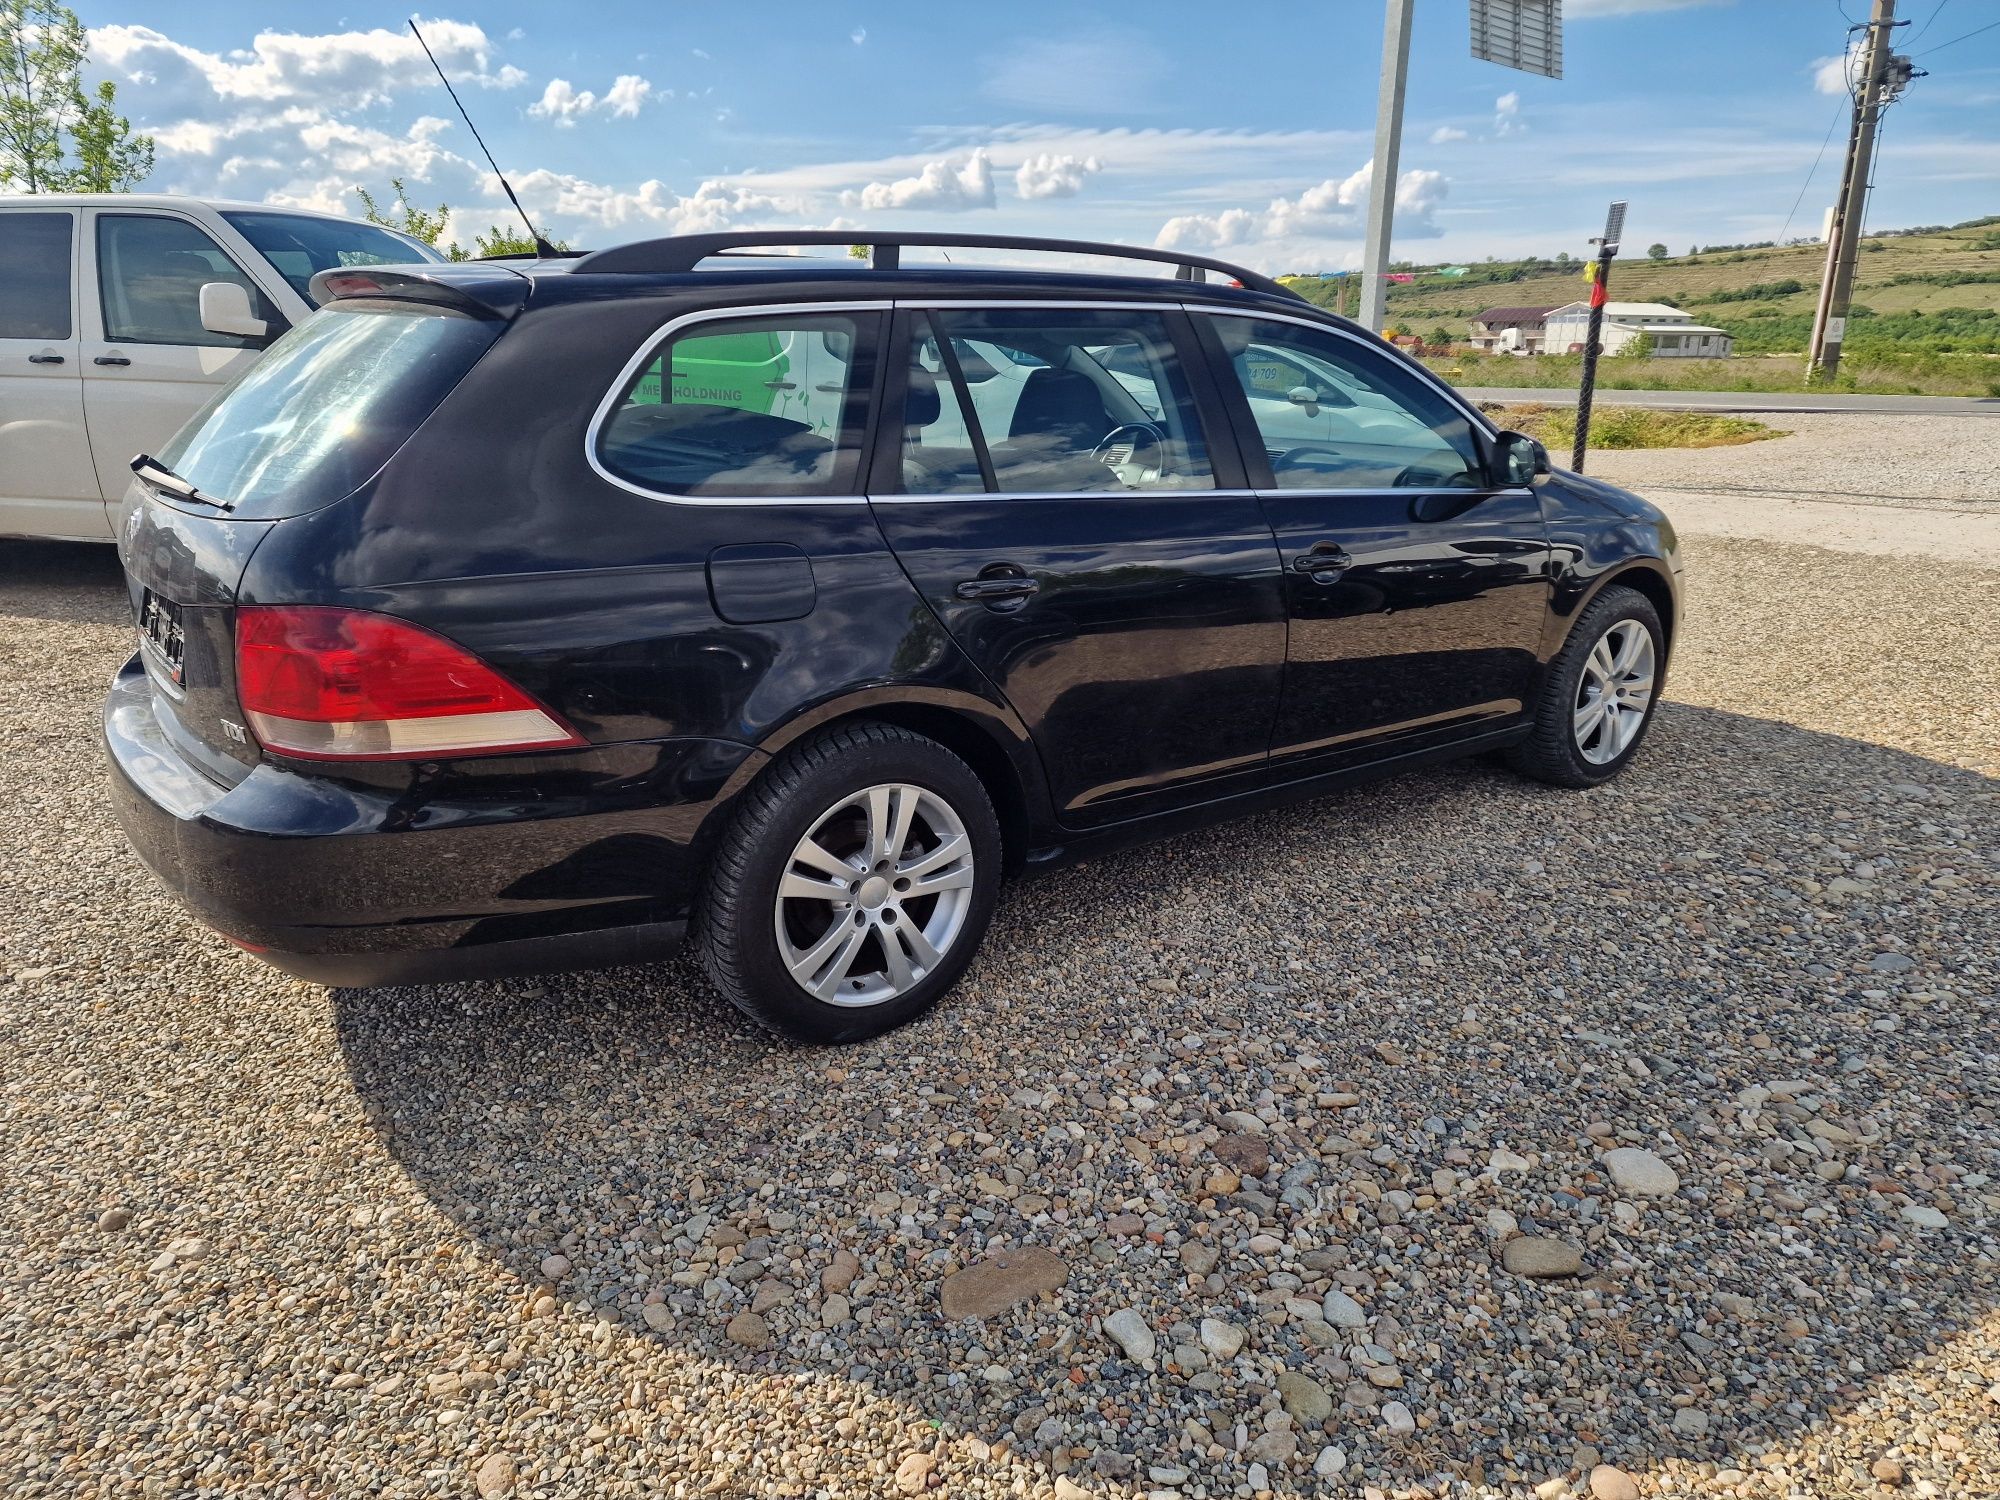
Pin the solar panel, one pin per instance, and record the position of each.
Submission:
(1523, 34)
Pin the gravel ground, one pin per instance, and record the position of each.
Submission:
(1451, 1137)
(1917, 487)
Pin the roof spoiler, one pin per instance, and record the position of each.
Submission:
(484, 289)
(685, 252)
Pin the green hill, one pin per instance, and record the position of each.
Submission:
(1949, 278)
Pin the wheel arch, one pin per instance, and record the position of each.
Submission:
(1647, 576)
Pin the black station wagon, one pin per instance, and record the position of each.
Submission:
(512, 616)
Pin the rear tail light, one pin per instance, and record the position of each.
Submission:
(346, 684)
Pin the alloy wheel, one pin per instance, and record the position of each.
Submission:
(1615, 692)
(874, 895)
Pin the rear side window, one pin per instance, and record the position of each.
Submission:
(150, 272)
(327, 405)
(34, 275)
(771, 406)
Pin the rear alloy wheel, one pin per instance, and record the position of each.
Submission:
(853, 886)
(1598, 695)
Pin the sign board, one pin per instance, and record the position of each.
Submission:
(1524, 34)
(1836, 330)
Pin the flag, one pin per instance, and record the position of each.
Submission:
(1595, 276)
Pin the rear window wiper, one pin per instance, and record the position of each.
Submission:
(160, 477)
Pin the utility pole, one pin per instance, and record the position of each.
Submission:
(1388, 149)
(1843, 244)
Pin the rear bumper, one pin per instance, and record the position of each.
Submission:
(475, 870)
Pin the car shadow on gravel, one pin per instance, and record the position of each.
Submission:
(66, 582)
(1766, 955)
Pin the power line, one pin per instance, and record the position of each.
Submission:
(1838, 113)
(1957, 39)
(1933, 16)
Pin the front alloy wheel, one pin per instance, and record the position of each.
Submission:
(1614, 693)
(875, 895)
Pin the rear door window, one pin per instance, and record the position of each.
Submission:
(754, 406)
(327, 405)
(35, 275)
(150, 272)
(1048, 401)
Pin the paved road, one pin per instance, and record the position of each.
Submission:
(1902, 406)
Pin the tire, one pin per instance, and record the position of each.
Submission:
(762, 911)
(1561, 749)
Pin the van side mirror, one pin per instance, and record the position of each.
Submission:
(225, 308)
(1518, 459)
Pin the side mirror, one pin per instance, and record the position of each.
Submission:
(1519, 459)
(225, 308)
(1304, 396)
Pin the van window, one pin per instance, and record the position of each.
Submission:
(34, 275)
(300, 246)
(150, 272)
(747, 406)
(327, 405)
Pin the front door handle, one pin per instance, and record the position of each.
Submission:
(110, 359)
(997, 588)
(45, 359)
(1326, 558)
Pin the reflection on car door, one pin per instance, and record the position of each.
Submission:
(47, 486)
(148, 364)
(1417, 589)
(1133, 616)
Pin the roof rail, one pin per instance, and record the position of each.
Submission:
(685, 252)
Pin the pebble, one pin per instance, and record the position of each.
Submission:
(1640, 1173)
(1924, 1216)
(1003, 1280)
(1128, 1329)
(1342, 1310)
(1221, 1339)
(1538, 1257)
(1608, 1483)
(495, 1477)
(1305, 1398)
(750, 1330)
(1397, 1419)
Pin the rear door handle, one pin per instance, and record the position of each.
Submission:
(997, 589)
(45, 359)
(1327, 557)
(110, 359)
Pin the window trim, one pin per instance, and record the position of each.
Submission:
(593, 433)
(878, 437)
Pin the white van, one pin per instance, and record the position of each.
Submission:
(121, 315)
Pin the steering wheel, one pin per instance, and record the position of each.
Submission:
(1135, 451)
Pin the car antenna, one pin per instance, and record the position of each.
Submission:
(542, 247)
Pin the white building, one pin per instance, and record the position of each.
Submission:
(1674, 333)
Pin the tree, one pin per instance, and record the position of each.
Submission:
(55, 137)
(1440, 336)
(427, 224)
(1656, 252)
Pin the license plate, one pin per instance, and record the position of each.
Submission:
(160, 633)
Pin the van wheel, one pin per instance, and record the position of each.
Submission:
(1598, 697)
(854, 885)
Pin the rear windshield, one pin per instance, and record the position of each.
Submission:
(299, 246)
(326, 405)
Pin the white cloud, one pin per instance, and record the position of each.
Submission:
(348, 69)
(1444, 135)
(1838, 75)
(1507, 114)
(1046, 175)
(563, 103)
(1330, 209)
(1583, 9)
(858, 35)
(946, 185)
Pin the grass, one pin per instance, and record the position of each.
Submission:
(1891, 374)
(1631, 427)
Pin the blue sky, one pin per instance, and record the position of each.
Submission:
(1245, 130)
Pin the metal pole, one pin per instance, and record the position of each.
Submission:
(1830, 329)
(1600, 293)
(1388, 151)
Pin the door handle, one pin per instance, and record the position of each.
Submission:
(110, 359)
(45, 359)
(997, 589)
(1327, 557)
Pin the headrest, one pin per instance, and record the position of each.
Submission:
(838, 342)
(921, 406)
(1234, 333)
